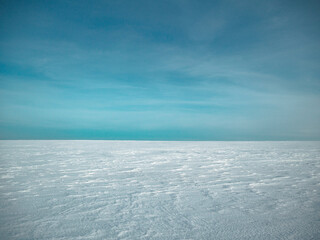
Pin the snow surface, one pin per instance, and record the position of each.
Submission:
(159, 190)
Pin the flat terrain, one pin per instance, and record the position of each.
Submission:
(159, 190)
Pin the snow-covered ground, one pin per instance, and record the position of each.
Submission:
(159, 190)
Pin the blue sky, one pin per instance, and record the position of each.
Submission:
(160, 70)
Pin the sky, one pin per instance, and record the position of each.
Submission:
(160, 70)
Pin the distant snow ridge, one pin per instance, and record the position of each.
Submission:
(159, 190)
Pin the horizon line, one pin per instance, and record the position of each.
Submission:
(155, 140)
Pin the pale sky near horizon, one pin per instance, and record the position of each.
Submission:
(160, 70)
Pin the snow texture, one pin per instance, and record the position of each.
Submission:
(159, 190)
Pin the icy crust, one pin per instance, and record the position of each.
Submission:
(159, 190)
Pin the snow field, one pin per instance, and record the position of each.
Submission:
(159, 190)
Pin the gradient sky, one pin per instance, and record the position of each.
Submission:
(160, 70)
